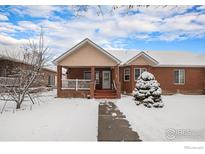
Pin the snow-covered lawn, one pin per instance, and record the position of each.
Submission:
(182, 115)
(63, 119)
(56, 119)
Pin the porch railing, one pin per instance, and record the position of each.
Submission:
(114, 85)
(76, 84)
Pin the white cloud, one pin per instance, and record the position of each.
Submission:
(36, 10)
(3, 17)
(7, 40)
(171, 22)
(201, 19)
(41, 10)
(28, 25)
(137, 23)
(163, 11)
(9, 27)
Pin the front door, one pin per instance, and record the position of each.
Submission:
(106, 79)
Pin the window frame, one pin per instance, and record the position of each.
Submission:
(84, 75)
(126, 74)
(51, 80)
(90, 76)
(179, 70)
(140, 68)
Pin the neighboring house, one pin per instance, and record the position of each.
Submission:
(95, 72)
(47, 76)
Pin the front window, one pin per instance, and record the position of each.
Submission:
(138, 72)
(127, 74)
(179, 76)
(51, 80)
(87, 75)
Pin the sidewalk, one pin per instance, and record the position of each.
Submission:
(112, 125)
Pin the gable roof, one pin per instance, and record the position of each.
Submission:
(80, 45)
(164, 58)
(143, 54)
(159, 58)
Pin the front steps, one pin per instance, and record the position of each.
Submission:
(109, 94)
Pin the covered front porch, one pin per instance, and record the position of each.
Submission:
(88, 82)
(88, 71)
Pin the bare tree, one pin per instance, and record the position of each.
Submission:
(27, 72)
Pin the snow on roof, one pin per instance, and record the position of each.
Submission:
(165, 58)
(123, 55)
(51, 68)
(177, 58)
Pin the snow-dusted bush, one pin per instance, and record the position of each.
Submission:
(148, 91)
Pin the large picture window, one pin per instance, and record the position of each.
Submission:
(127, 74)
(179, 76)
(138, 72)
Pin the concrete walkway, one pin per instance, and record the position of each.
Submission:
(112, 125)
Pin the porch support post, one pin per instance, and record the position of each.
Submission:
(59, 80)
(92, 84)
(117, 81)
(132, 78)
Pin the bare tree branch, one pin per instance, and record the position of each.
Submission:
(28, 71)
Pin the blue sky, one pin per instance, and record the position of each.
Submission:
(170, 28)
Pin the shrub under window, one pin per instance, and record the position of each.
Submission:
(138, 72)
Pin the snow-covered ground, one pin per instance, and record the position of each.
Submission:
(181, 119)
(55, 119)
(64, 119)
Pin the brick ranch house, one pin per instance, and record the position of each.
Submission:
(94, 72)
(46, 78)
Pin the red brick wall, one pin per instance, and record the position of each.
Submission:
(73, 93)
(128, 86)
(76, 73)
(125, 85)
(42, 79)
(194, 80)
